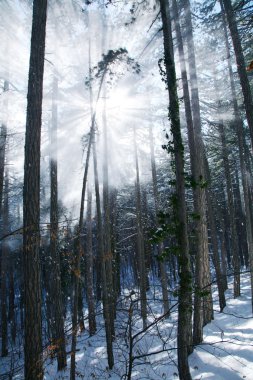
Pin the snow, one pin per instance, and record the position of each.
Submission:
(226, 352)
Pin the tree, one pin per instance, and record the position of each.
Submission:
(31, 197)
(4, 326)
(241, 66)
(185, 287)
(202, 305)
(55, 279)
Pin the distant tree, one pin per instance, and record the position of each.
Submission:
(140, 239)
(58, 341)
(4, 325)
(5, 256)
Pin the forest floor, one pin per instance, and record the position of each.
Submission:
(226, 352)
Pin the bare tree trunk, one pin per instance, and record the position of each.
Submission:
(77, 259)
(234, 238)
(202, 270)
(107, 230)
(240, 133)
(4, 324)
(162, 264)
(115, 252)
(55, 285)
(102, 258)
(31, 199)
(140, 243)
(4, 269)
(212, 205)
(11, 315)
(185, 285)
(76, 264)
(227, 7)
(89, 269)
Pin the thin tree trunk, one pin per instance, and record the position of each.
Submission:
(31, 197)
(234, 238)
(4, 325)
(140, 243)
(55, 285)
(102, 258)
(4, 269)
(89, 269)
(107, 230)
(76, 264)
(212, 205)
(11, 315)
(162, 264)
(185, 276)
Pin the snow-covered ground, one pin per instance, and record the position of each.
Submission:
(226, 353)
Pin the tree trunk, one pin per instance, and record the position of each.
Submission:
(107, 230)
(31, 197)
(185, 276)
(89, 269)
(226, 6)
(240, 133)
(140, 242)
(77, 260)
(234, 238)
(102, 258)
(202, 305)
(55, 286)
(4, 269)
(162, 264)
(4, 325)
(212, 205)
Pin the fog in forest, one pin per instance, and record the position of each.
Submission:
(147, 112)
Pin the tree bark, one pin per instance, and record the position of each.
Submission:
(4, 269)
(89, 269)
(140, 242)
(203, 307)
(185, 276)
(102, 258)
(234, 238)
(55, 286)
(4, 324)
(226, 6)
(162, 264)
(242, 155)
(31, 197)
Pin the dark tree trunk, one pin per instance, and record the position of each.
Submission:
(140, 242)
(162, 264)
(212, 205)
(4, 269)
(89, 270)
(55, 285)
(107, 230)
(31, 200)
(231, 207)
(102, 259)
(185, 276)
(4, 325)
